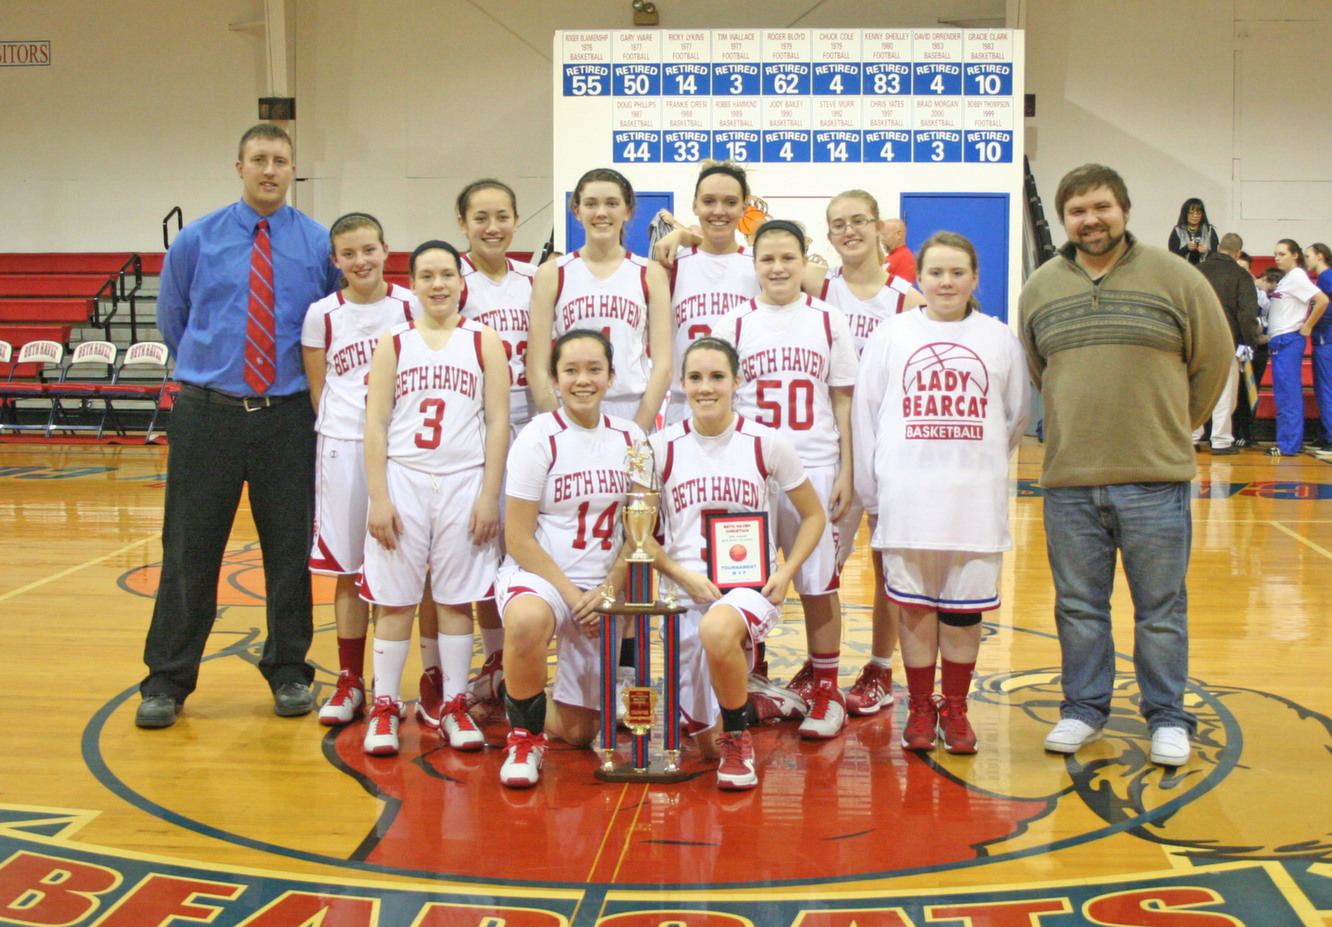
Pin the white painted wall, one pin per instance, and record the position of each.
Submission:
(403, 101)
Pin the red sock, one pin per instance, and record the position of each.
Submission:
(351, 655)
(920, 681)
(826, 666)
(956, 679)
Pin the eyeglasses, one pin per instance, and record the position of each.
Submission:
(837, 226)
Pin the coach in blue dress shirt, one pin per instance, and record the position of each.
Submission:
(224, 433)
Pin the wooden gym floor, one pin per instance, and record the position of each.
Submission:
(235, 816)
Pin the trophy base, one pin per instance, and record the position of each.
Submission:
(658, 771)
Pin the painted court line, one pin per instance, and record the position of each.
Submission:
(74, 569)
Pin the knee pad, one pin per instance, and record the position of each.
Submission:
(960, 619)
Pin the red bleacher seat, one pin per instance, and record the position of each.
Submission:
(12, 285)
(46, 311)
(92, 262)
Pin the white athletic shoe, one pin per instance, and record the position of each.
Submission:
(346, 703)
(522, 760)
(458, 726)
(827, 713)
(381, 732)
(1070, 735)
(1170, 746)
(773, 703)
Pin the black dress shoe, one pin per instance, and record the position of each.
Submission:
(293, 699)
(157, 711)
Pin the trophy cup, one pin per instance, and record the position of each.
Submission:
(640, 517)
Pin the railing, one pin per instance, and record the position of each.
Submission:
(166, 221)
(1037, 245)
(117, 289)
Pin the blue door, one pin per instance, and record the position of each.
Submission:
(646, 207)
(982, 218)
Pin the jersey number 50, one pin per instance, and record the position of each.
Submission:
(799, 404)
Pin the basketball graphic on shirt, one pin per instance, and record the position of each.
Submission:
(945, 390)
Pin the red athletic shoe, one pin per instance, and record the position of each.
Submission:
(922, 722)
(802, 683)
(736, 772)
(485, 685)
(872, 690)
(958, 736)
(430, 705)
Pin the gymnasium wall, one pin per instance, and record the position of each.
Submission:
(401, 102)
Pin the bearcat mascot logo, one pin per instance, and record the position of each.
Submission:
(945, 392)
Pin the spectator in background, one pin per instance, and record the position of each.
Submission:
(901, 262)
(1242, 423)
(1193, 238)
(1296, 306)
(1234, 287)
(1318, 258)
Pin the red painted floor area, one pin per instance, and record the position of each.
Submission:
(853, 806)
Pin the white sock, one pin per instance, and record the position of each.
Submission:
(492, 639)
(390, 658)
(455, 662)
(881, 662)
(429, 653)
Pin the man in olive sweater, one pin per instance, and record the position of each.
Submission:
(1130, 349)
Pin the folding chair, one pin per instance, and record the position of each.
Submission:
(90, 368)
(47, 356)
(139, 361)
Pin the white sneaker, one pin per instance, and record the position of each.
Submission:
(827, 713)
(1070, 735)
(458, 726)
(1170, 746)
(381, 732)
(522, 760)
(346, 703)
(624, 679)
(772, 702)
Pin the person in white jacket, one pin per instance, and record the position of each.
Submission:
(941, 400)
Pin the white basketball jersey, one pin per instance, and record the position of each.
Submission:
(577, 477)
(730, 472)
(506, 307)
(438, 423)
(704, 287)
(347, 333)
(616, 307)
(789, 357)
(864, 315)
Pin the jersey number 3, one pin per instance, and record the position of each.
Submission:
(433, 410)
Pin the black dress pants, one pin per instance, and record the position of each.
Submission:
(216, 447)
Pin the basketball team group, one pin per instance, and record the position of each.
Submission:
(454, 453)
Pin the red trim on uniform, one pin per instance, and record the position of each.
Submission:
(823, 293)
(342, 301)
(462, 303)
(406, 309)
(559, 282)
(643, 276)
(758, 457)
(363, 588)
(670, 461)
(326, 562)
(827, 327)
(328, 330)
(480, 359)
(397, 345)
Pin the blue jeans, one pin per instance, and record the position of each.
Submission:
(1287, 352)
(1322, 377)
(1151, 526)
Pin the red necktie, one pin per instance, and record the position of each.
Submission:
(260, 338)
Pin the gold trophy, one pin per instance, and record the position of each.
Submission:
(640, 700)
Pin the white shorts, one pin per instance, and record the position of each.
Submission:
(820, 573)
(341, 502)
(847, 529)
(698, 701)
(623, 408)
(434, 511)
(944, 580)
(578, 657)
